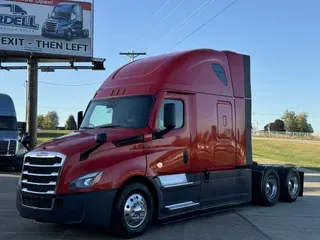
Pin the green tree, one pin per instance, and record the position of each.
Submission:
(52, 120)
(277, 125)
(290, 121)
(296, 122)
(71, 123)
(41, 121)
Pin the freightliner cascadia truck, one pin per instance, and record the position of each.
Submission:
(163, 137)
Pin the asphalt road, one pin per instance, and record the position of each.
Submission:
(299, 220)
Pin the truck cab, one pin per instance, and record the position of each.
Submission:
(11, 150)
(65, 21)
(162, 137)
(12, 9)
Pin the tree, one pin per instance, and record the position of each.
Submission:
(296, 122)
(71, 123)
(41, 121)
(277, 125)
(290, 121)
(52, 120)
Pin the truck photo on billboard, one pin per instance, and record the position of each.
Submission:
(55, 27)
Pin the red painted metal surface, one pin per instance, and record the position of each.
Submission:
(213, 134)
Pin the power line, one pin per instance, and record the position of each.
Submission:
(201, 26)
(156, 14)
(70, 85)
(161, 21)
(196, 12)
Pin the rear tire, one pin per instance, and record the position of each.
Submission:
(133, 211)
(270, 188)
(290, 184)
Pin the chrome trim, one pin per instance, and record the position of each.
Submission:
(43, 193)
(182, 205)
(39, 184)
(35, 165)
(178, 185)
(54, 174)
(174, 180)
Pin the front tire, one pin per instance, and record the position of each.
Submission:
(133, 211)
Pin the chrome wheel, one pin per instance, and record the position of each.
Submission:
(135, 210)
(293, 185)
(271, 189)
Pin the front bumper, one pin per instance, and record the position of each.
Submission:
(11, 161)
(93, 208)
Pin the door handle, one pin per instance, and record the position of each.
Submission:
(185, 157)
(225, 120)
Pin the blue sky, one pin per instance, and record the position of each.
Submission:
(282, 38)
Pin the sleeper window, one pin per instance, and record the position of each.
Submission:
(218, 69)
(179, 113)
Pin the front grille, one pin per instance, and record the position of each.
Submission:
(8, 147)
(4, 147)
(12, 147)
(51, 27)
(40, 178)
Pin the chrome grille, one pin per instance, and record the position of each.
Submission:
(51, 27)
(12, 147)
(8, 147)
(4, 147)
(40, 177)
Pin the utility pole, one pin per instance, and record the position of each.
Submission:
(27, 110)
(32, 104)
(132, 54)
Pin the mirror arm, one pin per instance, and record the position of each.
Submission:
(158, 135)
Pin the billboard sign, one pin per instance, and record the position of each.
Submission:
(47, 27)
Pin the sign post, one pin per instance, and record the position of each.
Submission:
(32, 102)
(35, 31)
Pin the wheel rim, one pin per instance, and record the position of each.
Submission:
(271, 188)
(135, 210)
(293, 185)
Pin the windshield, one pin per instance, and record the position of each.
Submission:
(8, 123)
(61, 15)
(125, 112)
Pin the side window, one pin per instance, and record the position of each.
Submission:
(218, 69)
(179, 114)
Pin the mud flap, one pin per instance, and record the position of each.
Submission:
(301, 183)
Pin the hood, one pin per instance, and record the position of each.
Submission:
(78, 141)
(9, 134)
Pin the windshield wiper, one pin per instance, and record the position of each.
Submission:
(110, 126)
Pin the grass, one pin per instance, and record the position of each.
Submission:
(46, 135)
(294, 152)
(265, 150)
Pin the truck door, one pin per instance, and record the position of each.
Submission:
(170, 157)
(224, 150)
(217, 166)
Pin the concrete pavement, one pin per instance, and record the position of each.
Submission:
(299, 220)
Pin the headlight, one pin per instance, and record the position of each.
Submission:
(86, 181)
(64, 27)
(21, 150)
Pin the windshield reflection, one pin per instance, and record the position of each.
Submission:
(124, 112)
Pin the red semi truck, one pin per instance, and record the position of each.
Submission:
(162, 137)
